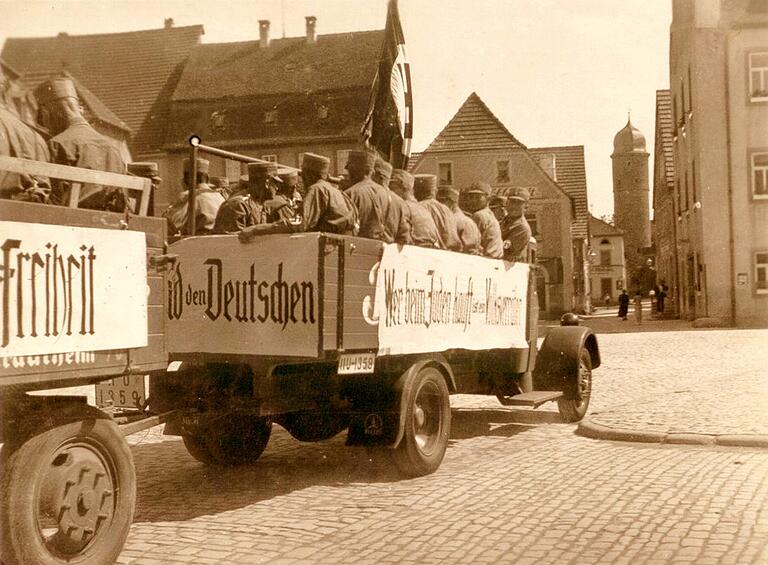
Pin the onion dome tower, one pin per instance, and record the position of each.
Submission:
(630, 194)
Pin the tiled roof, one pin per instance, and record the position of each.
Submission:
(289, 65)
(572, 177)
(473, 128)
(598, 228)
(132, 73)
(664, 133)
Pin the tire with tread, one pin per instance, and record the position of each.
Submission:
(67, 492)
(426, 401)
(573, 407)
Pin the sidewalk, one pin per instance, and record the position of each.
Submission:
(666, 382)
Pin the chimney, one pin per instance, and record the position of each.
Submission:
(311, 31)
(263, 34)
(168, 23)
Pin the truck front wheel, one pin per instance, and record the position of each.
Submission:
(67, 493)
(427, 424)
(573, 405)
(235, 439)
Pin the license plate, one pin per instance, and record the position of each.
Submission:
(356, 363)
(129, 391)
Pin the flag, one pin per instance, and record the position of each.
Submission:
(388, 126)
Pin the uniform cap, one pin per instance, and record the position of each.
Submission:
(424, 186)
(203, 165)
(479, 188)
(314, 163)
(448, 191)
(402, 178)
(496, 201)
(54, 89)
(361, 160)
(219, 182)
(515, 193)
(383, 170)
(265, 169)
(288, 174)
(145, 169)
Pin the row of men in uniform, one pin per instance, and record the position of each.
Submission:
(73, 141)
(372, 201)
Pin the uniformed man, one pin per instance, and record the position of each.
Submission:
(148, 170)
(77, 144)
(425, 190)
(248, 209)
(468, 232)
(398, 220)
(497, 204)
(285, 204)
(515, 231)
(17, 139)
(474, 201)
(207, 202)
(325, 208)
(370, 199)
(221, 185)
(423, 229)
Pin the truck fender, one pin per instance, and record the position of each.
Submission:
(437, 361)
(557, 362)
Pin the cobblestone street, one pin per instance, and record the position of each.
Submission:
(516, 485)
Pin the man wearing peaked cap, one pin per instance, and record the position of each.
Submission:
(248, 208)
(423, 228)
(398, 220)
(148, 170)
(467, 230)
(474, 201)
(77, 144)
(207, 201)
(515, 231)
(425, 190)
(220, 185)
(370, 199)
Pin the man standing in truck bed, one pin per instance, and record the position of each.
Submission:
(371, 199)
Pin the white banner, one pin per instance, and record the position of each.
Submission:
(67, 289)
(429, 300)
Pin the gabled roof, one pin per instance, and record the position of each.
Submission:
(599, 228)
(664, 137)
(473, 128)
(571, 175)
(132, 73)
(289, 65)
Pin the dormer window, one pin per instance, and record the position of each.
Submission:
(322, 112)
(217, 120)
(270, 116)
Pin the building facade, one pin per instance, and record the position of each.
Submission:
(606, 256)
(476, 146)
(719, 87)
(664, 225)
(630, 201)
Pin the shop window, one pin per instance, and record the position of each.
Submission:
(758, 77)
(445, 174)
(759, 162)
(761, 272)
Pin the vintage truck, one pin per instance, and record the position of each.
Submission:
(316, 332)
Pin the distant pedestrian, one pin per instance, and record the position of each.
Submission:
(623, 305)
(607, 299)
(638, 301)
(660, 298)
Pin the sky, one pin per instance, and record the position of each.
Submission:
(555, 72)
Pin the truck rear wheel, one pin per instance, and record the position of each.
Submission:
(231, 440)
(573, 406)
(67, 494)
(427, 425)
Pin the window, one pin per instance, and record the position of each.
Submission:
(533, 222)
(269, 158)
(445, 174)
(322, 112)
(502, 171)
(270, 117)
(217, 121)
(760, 175)
(605, 257)
(341, 160)
(690, 93)
(758, 77)
(761, 272)
(686, 195)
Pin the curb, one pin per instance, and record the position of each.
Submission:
(590, 429)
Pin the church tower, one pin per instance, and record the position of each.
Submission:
(630, 196)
